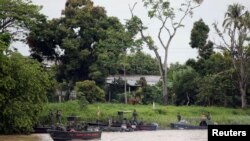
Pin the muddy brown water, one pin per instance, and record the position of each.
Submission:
(161, 135)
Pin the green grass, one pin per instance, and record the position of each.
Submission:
(163, 115)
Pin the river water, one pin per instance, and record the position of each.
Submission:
(160, 135)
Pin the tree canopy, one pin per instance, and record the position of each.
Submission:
(17, 16)
(199, 35)
(90, 42)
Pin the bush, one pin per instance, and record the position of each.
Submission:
(23, 85)
(88, 92)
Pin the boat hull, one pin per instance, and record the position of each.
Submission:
(146, 127)
(186, 126)
(41, 129)
(76, 135)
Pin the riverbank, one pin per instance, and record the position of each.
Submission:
(163, 115)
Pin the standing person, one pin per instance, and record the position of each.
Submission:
(110, 121)
(203, 120)
(134, 116)
(58, 116)
(178, 117)
(51, 121)
(208, 116)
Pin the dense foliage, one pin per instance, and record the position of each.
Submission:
(23, 86)
(85, 43)
(141, 63)
(17, 16)
(199, 35)
(24, 82)
(88, 92)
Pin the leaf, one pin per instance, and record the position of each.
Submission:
(151, 14)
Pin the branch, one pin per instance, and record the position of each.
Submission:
(221, 36)
(188, 10)
(6, 23)
(185, 14)
(221, 47)
(160, 31)
(163, 22)
(132, 9)
(154, 49)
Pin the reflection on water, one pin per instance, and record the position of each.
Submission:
(162, 135)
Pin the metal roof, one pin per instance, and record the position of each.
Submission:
(132, 79)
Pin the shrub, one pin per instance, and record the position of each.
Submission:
(88, 92)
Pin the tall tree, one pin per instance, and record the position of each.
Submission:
(237, 28)
(199, 35)
(91, 42)
(165, 14)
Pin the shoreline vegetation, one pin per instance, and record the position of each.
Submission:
(163, 115)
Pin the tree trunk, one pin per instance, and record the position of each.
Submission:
(243, 96)
(164, 91)
(188, 99)
(243, 82)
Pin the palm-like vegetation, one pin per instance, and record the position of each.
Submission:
(236, 24)
(233, 16)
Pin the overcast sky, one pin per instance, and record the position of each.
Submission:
(210, 11)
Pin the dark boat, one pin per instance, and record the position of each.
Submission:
(74, 131)
(119, 124)
(146, 127)
(41, 129)
(111, 128)
(184, 125)
(74, 135)
(96, 124)
(128, 128)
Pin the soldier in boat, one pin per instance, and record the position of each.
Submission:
(178, 117)
(59, 116)
(134, 117)
(110, 121)
(51, 120)
(203, 120)
(208, 116)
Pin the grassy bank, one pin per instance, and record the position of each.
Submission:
(163, 115)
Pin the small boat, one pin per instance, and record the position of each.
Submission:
(110, 129)
(58, 135)
(146, 127)
(122, 124)
(74, 131)
(41, 129)
(184, 125)
(96, 124)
